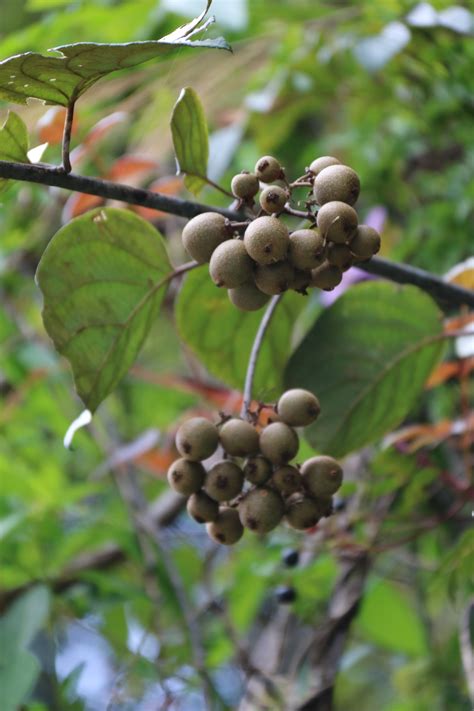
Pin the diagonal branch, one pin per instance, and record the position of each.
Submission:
(449, 294)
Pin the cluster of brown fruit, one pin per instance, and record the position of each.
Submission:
(254, 485)
(268, 259)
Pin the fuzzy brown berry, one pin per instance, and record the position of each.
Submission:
(268, 169)
(239, 438)
(261, 510)
(322, 476)
(230, 265)
(226, 528)
(279, 443)
(224, 481)
(336, 182)
(266, 240)
(186, 477)
(203, 234)
(197, 439)
(298, 407)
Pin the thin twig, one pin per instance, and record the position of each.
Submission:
(257, 344)
(66, 142)
(449, 294)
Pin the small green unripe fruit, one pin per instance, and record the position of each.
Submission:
(340, 255)
(274, 279)
(287, 480)
(266, 240)
(298, 407)
(337, 221)
(247, 297)
(202, 508)
(197, 439)
(365, 243)
(230, 265)
(326, 277)
(226, 529)
(261, 510)
(203, 234)
(300, 280)
(337, 182)
(273, 199)
(278, 443)
(224, 481)
(186, 477)
(303, 513)
(306, 247)
(322, 476)
(239, 438)
(257, 470)
(268, 169)
(323, 162)
(245, 185)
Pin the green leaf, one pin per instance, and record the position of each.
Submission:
(13, 142)
(69, 70)
(17, 678)
(103, 277)
(190, 140)
(367, 358)
(222, 336)
(388, 618)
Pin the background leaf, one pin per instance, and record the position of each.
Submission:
(222, 336)
(190, 139)
(98, 276)
(13, 141)
(367, 358)
(73, 68)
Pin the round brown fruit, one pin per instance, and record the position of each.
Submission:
(273, 199)
(340, 255)
(326, 277)
(337, 221)
(247, 297)
(298, 407)
(274, 279)
(261, 510)
(266, 240)
(336, 182)
(239, 438)
(186, 477)
(203, 234)
(230, 265)
(279, 443)
(322, 476)
(226, 528)
(268, 169)
(302, 513)
(257, 470)
(365, 243)
(197, 439)
(224, 481)
(306, 248)
(322, 162)
(287, 480)
(202, 508)
(245, 185)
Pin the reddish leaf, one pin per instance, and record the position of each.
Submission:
(166, 186)
(51, 125)
(450, 369)
(130, 165)
(78, 203)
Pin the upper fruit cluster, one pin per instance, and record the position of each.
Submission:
(253, 484)
(268, 258)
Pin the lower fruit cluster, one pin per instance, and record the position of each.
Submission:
(254, 485)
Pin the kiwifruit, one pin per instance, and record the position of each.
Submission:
(203, 234)
(337, 221)
(197, 439)
(326, 276)
(287, 480)
(319, 164)
(298, 407)
(365, 243)
(268, 169)
(230, 265)
(340, 255)
(266, 240)
(322, 476)
(273, 199)
(302, 512)
(239, 438)
(257, 470)
(224, 481)
(226, 528)
(306, 248)
(274, 279)
(336, 182)
(261, 510)
(186, 477)
(278, 442)
(202, 508)
(300, 280)
(245, 185)
(247, 297)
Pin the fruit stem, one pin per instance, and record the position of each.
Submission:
(254, 353)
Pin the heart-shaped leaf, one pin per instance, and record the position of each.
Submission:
(68, 71)
(13, 142)
(367, 358)
(190, 139)
(103, 277)
(222, 336)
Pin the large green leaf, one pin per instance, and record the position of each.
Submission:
(222, 336)
(103, 277)
(367, 358)
(190, 139)
(69, 70)
(13, 141)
